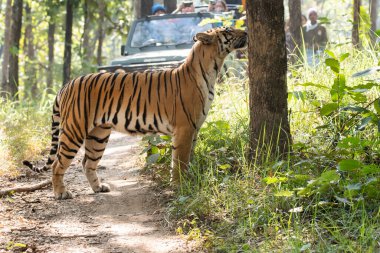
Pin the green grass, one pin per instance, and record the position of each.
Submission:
(24, 132)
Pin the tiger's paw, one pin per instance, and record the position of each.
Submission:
(103, 188)
(63, 195)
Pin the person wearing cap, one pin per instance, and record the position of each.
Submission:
(185, 7)
(158, 9)
(315, 36)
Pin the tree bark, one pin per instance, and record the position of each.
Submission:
(373, 15)
(7, 44)
(87, 53)
(51, 42)
(68, 41)
(142, 8)
(102, 10)
(269, 126)
(356, 24)
(295, 25)
(13, 70)
(30, 63)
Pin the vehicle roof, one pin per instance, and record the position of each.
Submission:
(176, 15)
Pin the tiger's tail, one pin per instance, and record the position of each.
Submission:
(56, 120)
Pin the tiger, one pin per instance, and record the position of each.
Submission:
(173, 102)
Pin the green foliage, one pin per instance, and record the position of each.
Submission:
(318, 200)
(158, 149)
(348, 110)
(24, 131)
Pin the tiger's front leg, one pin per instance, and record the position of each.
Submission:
(182, 145)
(95, 144)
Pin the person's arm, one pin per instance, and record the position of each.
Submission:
(323, 38)
(179, 9)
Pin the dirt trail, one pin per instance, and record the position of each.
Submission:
(130, 218)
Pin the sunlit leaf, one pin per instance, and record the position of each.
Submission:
(349, 165)
(343, 56)
(371, 169)
(317, 85)
(327, 109)
(376, 105)
(329, 176)
(333, 64)
(224, 166)
(284, 193)
(330, 53)
(270, 180)
(338, 90)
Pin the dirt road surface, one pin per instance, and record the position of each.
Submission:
(130, 218)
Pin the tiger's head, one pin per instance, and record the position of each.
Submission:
(224, 39)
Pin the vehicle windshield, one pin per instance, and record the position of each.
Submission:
(167, 32)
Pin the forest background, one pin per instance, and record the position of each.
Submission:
(322, 198)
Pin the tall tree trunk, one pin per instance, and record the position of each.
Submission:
(1, 46)
(68, 41)
(102, 10)
(30, 66)
(356, 24)
(15, 46)
(269, 125)
(87, 53)
(373, 14)
(7, 43)
(51, 42)
(295, 25)
(142, 8)
(170, 5)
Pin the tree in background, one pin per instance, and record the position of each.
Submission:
(13, 71)
(269, 125)
(142, 8)
(52, 9)
(356, 24)
(170, 5)
(29, 50)
(102, 10)
(68, 41)
(7, 42)
(373, 15)
(295, 25)
(88, 26)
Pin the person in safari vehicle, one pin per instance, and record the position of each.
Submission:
(185, 7)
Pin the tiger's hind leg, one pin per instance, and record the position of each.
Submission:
(95, 145)
(67, 149)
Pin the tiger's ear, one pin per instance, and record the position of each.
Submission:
(205, 38)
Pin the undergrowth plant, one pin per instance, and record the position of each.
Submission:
(24, 131)
(323, 198)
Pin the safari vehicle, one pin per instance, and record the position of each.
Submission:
(159, 42)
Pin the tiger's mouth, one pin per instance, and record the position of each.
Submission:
(241, 43)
